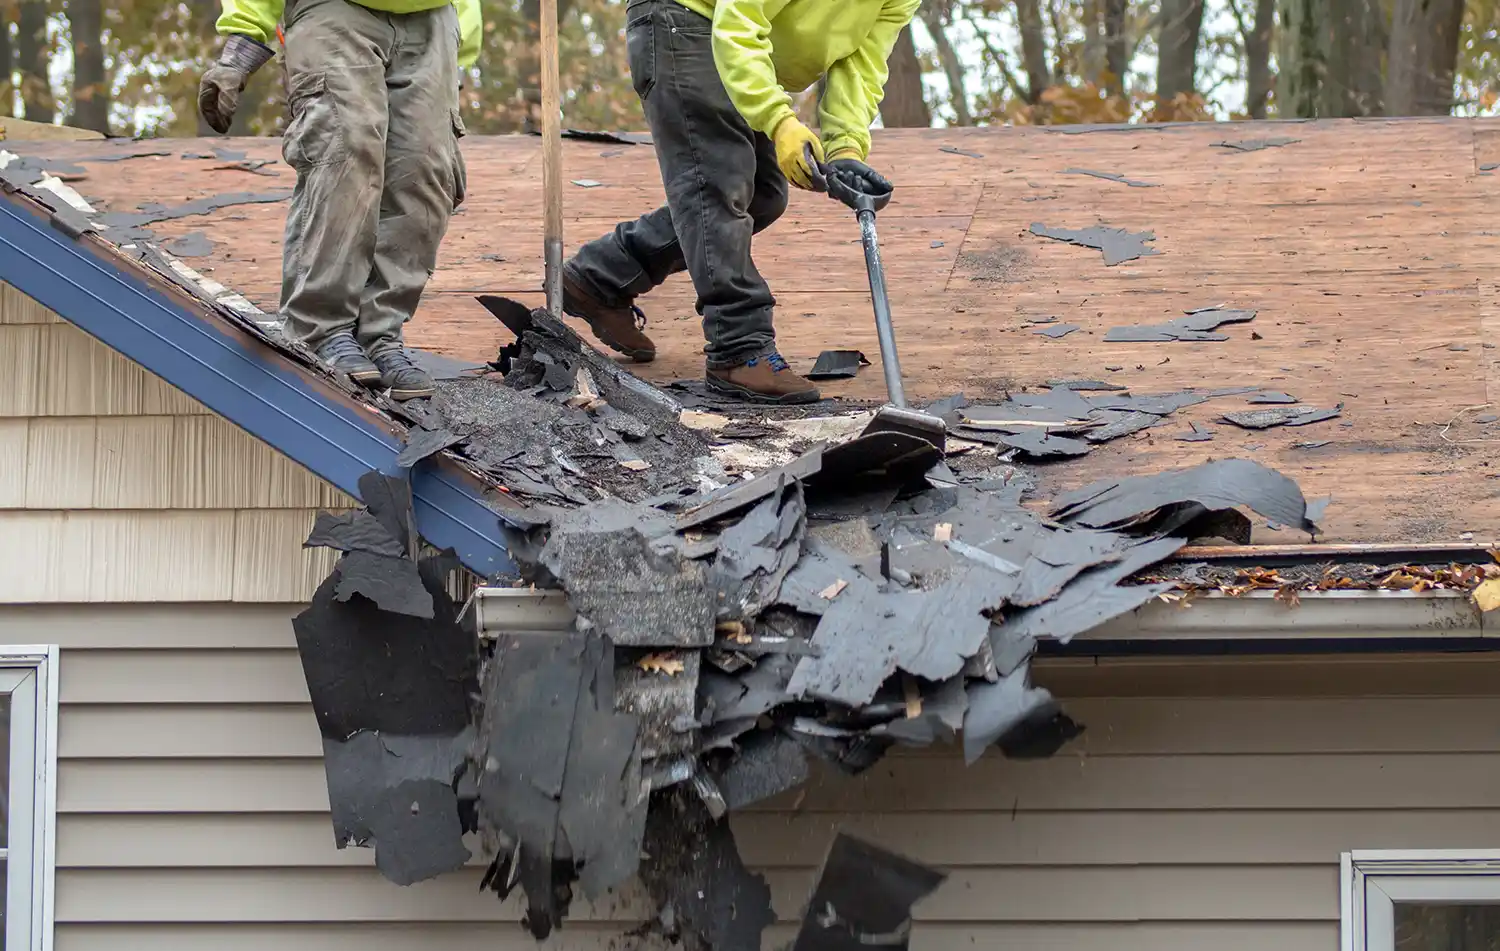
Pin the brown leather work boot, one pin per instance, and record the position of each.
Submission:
(765, 379)
(618, 328)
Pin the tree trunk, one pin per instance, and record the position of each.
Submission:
(1033, 48)
(32, 59)
(90, 80)
(1116, 46)
(904, 106)
(953, 67)
(7, 67)
(1352, 39)
(1258, 59)
(1177, 62)
(1091, 62)
(1299, 59)
(1423, 56)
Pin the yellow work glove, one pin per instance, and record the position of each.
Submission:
(792, 138)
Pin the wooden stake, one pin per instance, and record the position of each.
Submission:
(552, 230)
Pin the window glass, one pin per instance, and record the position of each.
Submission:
(1443, 927)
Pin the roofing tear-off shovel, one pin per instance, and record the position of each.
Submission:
(895, 416)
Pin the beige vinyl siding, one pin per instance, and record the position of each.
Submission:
(1204, 807)
(117, 487)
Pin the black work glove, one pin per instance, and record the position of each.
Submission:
(219, 91)
(859, 176)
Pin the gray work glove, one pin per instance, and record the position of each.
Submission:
(219, 91)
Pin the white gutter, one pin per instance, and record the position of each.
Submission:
(1202, 618)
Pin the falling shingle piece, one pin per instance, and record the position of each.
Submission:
(863, 899)
(357, 530)
(392, 583)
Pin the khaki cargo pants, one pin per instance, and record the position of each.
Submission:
(374, 141)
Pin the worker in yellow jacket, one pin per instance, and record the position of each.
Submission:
(373, 91)
(714, 80)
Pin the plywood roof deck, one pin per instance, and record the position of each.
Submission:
(1366, 246)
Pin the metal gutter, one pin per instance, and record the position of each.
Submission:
(1256, 623)
(1267, 556)
(240, 378)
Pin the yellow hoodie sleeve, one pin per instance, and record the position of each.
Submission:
(856, 83)
(253, 18)
(742, 54)
(471, 29)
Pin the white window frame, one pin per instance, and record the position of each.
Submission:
(1371, 883)
(30, 676)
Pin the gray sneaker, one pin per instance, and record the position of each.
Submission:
(406, 380)
(342, 353)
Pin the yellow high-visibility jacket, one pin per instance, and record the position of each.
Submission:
(257, 19)
(763, 48)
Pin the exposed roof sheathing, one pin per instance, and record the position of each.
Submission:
(1361, 245)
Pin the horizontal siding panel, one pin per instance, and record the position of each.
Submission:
(1125, 727)
(1328, 675)
(270, 563)
(212, 627)
(1188, 893)
(790, 839)
(113, 731)
(1371, 781)
(581, 936)
(58, 370)
(169, 676)
(180, 555)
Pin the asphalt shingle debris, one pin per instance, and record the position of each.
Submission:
(1195, 325)
(730, 634)
(1117, 244)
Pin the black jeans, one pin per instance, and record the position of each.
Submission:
(722, 182)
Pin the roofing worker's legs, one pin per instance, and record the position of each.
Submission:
(712, 166)
(424, 175)
(335, 59)
(424, 183)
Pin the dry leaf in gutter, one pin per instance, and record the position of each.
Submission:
(832, 591)
(1487, 595)
(660, 664)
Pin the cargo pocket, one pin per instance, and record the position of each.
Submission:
(640, 49)
(315, 136)
(460, 168)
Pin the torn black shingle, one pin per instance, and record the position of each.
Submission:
(837, 365)
(863, 899)
(1220, 484)
(703, 891)
(391, 694)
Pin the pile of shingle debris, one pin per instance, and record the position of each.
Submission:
(859, 597)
